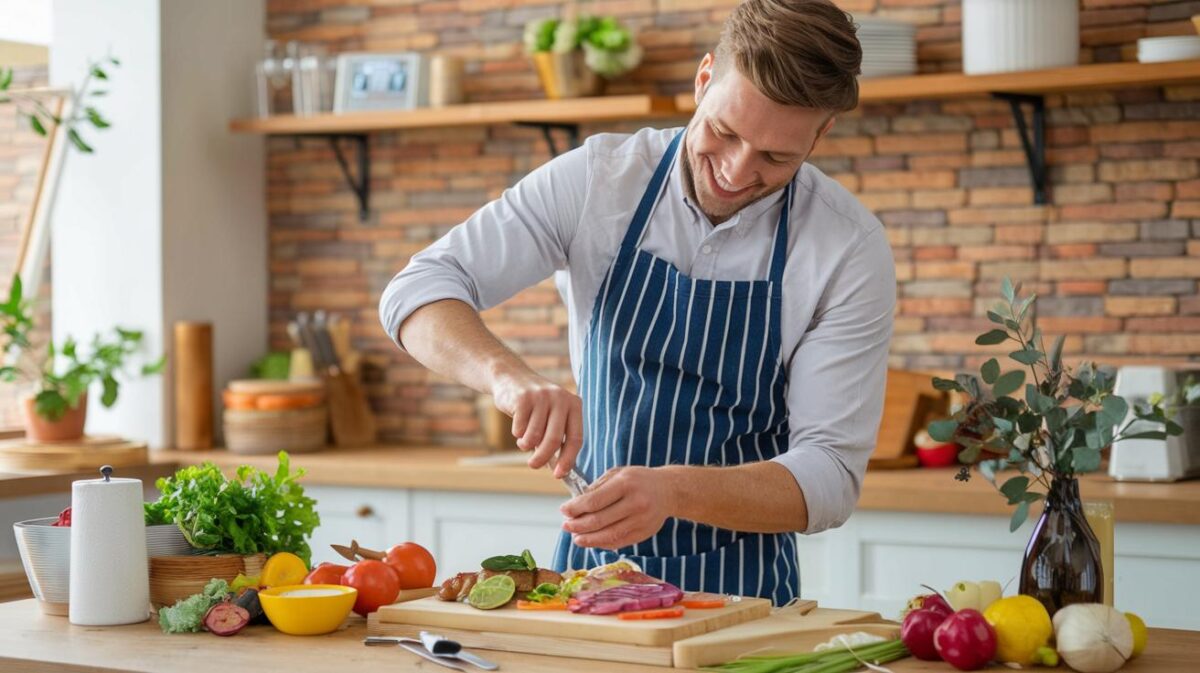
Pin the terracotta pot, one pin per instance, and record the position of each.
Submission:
(65, 429)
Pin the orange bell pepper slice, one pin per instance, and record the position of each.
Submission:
(662, 613)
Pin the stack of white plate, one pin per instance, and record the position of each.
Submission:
(889, 47)
(1171, 48)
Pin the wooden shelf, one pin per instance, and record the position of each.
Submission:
(568, 111)
(1034, 82)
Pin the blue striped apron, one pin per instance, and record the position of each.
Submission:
(681, 371)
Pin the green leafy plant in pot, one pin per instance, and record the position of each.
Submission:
(574, 57)
(57, 408)
(1051, 425)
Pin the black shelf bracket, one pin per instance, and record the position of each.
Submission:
(361, 186)
(1035, 147)
(572, 131)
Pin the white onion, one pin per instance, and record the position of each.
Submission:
(1092, 638)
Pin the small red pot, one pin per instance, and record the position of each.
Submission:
(942, 455)
(65, 429)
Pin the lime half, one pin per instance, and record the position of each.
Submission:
(492, 592)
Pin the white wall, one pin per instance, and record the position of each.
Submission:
(25, 21)
(214, 181)
(106, 240)
(166, 221)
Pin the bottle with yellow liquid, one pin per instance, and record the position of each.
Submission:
(1099, 515)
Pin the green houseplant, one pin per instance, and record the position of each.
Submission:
(1054, 431)
(57, 408)
(573, 57)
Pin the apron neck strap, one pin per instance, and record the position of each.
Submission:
(650, 197)
(641, 216)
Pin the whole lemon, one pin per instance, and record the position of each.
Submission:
(1022, 627)
(1139, 633)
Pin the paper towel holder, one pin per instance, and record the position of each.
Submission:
(107, 471)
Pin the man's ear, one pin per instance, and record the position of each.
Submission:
(704, 76)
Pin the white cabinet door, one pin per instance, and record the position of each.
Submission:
(377, 518)
(462, 529)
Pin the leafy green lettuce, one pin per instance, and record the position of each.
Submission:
(256, 512)
(187, 615)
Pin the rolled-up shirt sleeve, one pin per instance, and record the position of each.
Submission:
(508, 245)
(836, 382)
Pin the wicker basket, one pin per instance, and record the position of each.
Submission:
(258, 432)
(175, 577)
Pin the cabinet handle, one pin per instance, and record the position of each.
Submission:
(365, 511)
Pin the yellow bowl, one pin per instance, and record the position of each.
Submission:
(307, 609)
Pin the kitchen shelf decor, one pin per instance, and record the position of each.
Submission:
(1023, 88)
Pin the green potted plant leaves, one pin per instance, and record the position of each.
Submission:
(573, 57)
(1051, 425)
(56, 408)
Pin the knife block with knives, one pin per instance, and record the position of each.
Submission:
(350, 415)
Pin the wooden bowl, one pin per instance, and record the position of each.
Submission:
(176, 577)
(250, 431)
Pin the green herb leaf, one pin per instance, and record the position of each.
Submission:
(78, 142)
(1006, 290)
(946, 384)
(990, 371)
(1014, 489)
(1085, 460)
(1056, 352)
(943, 431)
(1008, 383)
(1027, 356)
(995, 317)
(991, 337)
(528, 558)
(1020, 515)
(109, 397)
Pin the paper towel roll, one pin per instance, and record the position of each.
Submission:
(110, 581)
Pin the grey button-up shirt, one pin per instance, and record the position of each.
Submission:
(568, 218)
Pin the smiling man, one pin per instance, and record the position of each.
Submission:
(730, 308)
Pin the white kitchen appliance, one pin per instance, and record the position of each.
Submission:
(1169, 459)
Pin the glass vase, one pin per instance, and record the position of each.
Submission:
(1062, 562)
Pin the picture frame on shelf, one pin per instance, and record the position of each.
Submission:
(381, 81)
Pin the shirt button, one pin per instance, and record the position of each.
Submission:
(706, 249)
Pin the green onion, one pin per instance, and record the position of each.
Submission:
(831, 661)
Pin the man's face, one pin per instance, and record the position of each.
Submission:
(741, 145)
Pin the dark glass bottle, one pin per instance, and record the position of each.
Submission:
(1062, 560)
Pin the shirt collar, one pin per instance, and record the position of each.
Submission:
(677, 188)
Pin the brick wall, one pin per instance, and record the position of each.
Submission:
(20, 162)
(1116, 258)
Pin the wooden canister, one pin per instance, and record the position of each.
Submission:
(193, 386)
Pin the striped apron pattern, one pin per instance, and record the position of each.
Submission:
(684, 371)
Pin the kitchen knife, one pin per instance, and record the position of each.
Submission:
(444, 647)
(412, 645)
(309, 340)
(421, 652)
(324, 342)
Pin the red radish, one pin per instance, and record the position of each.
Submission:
(64, 518)
(226, 619)
(917, 632)
(936, 603)
(965, 640)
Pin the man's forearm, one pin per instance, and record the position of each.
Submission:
(449, 338)
(758, 497)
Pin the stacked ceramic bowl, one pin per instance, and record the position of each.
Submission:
(889, 47)
(46, 555)
(1171, 48)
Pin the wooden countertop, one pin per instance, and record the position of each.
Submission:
(31, 641)
(20, 485)
(437, 468)
(920, 490)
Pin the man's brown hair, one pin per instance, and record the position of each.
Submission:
(796, 52)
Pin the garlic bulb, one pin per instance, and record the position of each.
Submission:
(1092, 638)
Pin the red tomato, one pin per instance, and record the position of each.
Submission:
(377, 585)
(326, 573)
(413, 564)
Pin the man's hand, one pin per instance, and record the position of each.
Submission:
(624, 506)
(546, 419)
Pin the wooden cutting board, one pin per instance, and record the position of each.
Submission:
(790, 630)
(560, 633)
(84, 454)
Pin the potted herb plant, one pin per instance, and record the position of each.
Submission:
(56, 408)
(573, 57)
(1051, 426)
